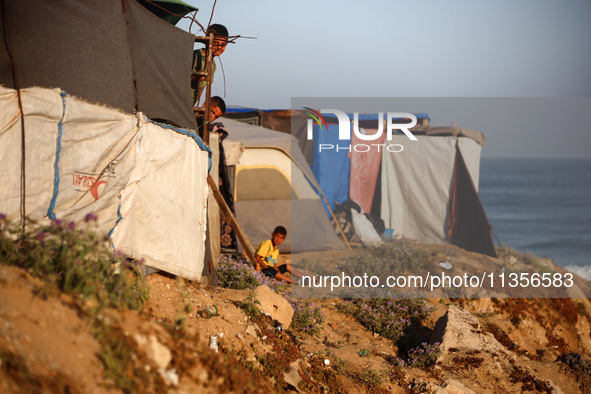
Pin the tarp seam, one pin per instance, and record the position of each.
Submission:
(56, 180)
(188, 133)
(119, 218)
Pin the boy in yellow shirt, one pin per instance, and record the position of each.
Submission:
(267, 254)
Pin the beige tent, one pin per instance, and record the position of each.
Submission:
(274, 186)
(145, 181)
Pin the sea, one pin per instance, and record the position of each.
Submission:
(542, 206)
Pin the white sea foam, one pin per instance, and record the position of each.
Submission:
(583, 272)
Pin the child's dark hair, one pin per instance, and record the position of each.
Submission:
(218, 30)
(280, 230)
(217, 101)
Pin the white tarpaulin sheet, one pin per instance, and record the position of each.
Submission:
(146, 182)
(416, 184)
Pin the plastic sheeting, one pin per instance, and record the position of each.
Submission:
(146, 183)
(365, 168)
(331, 166)
(416, 184)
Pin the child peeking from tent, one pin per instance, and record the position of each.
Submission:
(217, 109)
(220, 41)
(267, 254)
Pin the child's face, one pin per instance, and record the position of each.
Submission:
(214, 113)
(277, 238)
(219, 46)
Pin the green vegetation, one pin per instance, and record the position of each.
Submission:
(389, 317)
(422, 356)
(236, 274)
(73, 259)
(116, 355)
(529, 259)
(373, 378)
(338, 363)
(307, 317)
(248, 305)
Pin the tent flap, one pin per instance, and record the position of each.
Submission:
(467, 222)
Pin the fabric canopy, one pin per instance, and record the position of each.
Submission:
(332, 167)
(115, 53)
(365, 169)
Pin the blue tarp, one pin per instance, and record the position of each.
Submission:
(331, 167)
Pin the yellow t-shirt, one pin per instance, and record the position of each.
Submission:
(268, 252)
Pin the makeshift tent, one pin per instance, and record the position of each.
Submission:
(145, 181)
(417, 191)
(115, 53)
(93, 77)
(412, 191)
(275, 186)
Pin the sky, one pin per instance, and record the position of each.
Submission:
(532, 56)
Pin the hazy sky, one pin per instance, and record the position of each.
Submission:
(519, 48)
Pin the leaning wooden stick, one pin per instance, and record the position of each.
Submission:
(232, 220)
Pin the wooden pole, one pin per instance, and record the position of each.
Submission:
(209, 68)
(232, 220)
(337, 223)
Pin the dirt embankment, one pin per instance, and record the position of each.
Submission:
(492, 345)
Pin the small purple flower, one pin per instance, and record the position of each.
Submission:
(90, 217)
(58, 222)
(71, 226)
(2, 216)
(41, 237)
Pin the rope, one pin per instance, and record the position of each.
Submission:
(502, 246)
(119, 218)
